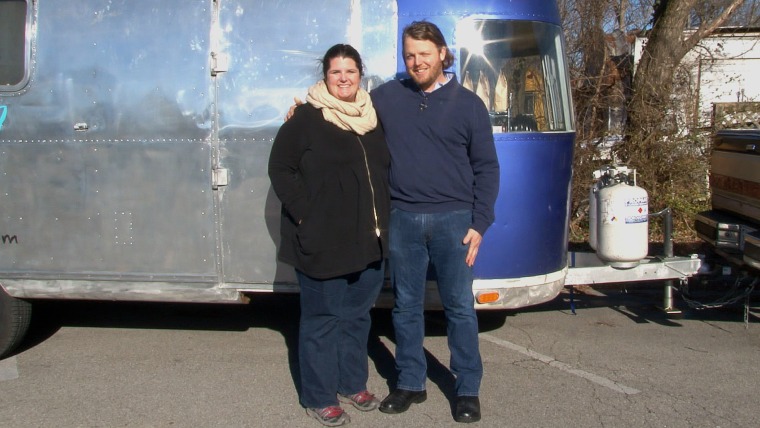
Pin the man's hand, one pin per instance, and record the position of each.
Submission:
(292, 108)
(473, 239)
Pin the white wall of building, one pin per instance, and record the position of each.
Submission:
(724, 67)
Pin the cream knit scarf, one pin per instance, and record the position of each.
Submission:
(358, 116)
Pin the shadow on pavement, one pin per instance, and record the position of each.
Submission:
(640, 302)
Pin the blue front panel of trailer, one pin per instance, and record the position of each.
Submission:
(529, 236)
(445, 14)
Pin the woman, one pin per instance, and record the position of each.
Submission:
(329, 166)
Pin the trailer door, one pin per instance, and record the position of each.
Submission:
(270, 52)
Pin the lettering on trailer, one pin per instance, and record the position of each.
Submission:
(3, 113)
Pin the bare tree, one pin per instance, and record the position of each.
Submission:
(598, 43)
(667, 44)
(671, 160)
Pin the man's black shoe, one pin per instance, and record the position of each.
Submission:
(399, 400)
(467, 409)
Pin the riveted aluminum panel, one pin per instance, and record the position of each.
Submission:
(106, 153)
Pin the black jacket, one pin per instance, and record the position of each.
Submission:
(333, 185)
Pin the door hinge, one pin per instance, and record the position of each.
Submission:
(220, 63)
(220, 177)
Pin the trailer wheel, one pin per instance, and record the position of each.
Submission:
(15, 315)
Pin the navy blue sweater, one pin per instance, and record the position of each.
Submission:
(442, 150)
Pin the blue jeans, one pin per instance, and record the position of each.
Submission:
(416, 240)
(332, 338)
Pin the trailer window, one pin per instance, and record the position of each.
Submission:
(519, 71)
(13, 44)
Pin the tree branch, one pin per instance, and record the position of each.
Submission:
(707, 29)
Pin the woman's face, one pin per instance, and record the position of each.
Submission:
(343, 78)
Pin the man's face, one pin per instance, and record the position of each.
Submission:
(424, 62)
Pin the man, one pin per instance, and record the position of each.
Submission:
(444, 179)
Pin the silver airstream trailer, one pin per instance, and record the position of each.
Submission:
(135, 136)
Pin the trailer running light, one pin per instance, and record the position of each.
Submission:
(487, 296)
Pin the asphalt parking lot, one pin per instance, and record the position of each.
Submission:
(617, 360)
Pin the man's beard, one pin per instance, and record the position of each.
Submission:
(434, 72)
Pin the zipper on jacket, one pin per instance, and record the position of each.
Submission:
(371, 187)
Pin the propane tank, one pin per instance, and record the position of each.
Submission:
(621, 235)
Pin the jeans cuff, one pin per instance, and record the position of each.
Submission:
(409, 388)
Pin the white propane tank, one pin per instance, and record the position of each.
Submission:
(618, 217)
(622, 222)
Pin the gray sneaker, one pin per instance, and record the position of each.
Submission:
(364, 401)
(332, 416)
